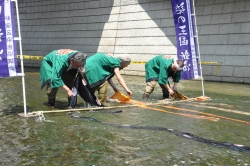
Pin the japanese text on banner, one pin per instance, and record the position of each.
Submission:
(8, 56)
(186, 45)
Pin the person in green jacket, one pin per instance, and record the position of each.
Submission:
(100, 68)
(159, 69)
(58, 69)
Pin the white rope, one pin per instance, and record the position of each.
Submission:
(41, 117)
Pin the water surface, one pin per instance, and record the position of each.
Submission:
(63, 140)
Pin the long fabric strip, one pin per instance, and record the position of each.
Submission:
(81, 88)
(227, 145)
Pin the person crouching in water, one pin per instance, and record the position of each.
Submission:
(58, 69)
(159, 69)
(100, 68)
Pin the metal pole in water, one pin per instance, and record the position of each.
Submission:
(21, 58)
(198, 48)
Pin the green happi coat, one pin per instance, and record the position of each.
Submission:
(100, 67)
(53, 65)
(159, 68)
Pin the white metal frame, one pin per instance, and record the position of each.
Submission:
(21, 58)
(198, 48)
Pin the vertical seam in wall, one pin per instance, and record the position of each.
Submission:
(117, 26)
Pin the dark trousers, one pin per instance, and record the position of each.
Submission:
(68, 78)
(150, 88)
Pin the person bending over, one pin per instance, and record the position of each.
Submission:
(159, 69)
(100, 68)
(58, 69)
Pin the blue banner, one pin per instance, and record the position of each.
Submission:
(186, 45)
(8, 53)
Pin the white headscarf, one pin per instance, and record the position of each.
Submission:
(176, 65)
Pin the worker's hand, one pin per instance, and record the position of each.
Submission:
(70, 93)
(171, 92)
(129, 92)
(82, 69)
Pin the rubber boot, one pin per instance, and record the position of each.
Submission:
(145, 96)
(52, 102)
(165, 96)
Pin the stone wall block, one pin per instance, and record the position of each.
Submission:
(242, 17)
(243, 50)
(210, 49)
(226, 71)
(222, 1)
(226, 49)
(241, 39)
(247, 7)
(217, 39)
(204, 20)
(221, 19)
(235, 61)
(213, 78)
(241, 71)
(232, 79)
(209, 29)
(245, 28)
(230, 28)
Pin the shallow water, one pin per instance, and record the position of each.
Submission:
(127, 138)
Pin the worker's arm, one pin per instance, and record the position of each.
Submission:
(111, 83)
(175, 86)
(171, 92)
(69, 92)
(121, 80)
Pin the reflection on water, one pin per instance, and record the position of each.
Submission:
(63, 140)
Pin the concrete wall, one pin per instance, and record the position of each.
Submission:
(224, 36)
(140, 28)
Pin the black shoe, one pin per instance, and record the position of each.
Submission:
(145, 96)
(52, 103)
(165, 97)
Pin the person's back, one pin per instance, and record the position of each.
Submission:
(156, 68)
(58, 69)
(159, 69)
(99, 66)
(53, 65)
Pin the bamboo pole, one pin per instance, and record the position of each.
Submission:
(133, 103)
(94, 108)
(84, 109)
(221, 109)
(208, 114)
(212, 118)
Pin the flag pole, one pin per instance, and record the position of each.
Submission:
(21, 58)
(198, 48)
